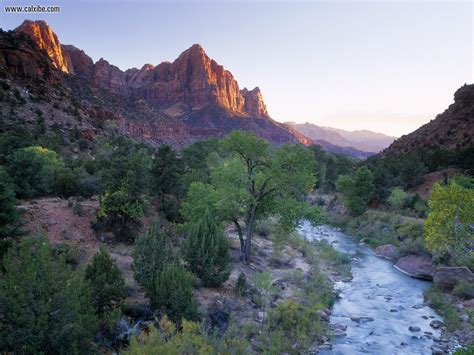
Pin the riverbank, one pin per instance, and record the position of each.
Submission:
(400, 239)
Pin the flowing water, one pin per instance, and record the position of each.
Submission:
(390, 301)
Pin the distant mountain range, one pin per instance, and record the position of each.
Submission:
(362, 140)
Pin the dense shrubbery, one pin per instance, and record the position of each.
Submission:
(9, 215)
(330, 166)
(356, 191)
(45, 306)
(379, 228)
(436, 299)
(168, 285)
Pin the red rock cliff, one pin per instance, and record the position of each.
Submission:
(193, 80)
(46, 39)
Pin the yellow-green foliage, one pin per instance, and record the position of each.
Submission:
(291, 328)
(447, 227)
(398, 198)
(191, 339)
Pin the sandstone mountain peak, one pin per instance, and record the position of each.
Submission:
(195, 95)
(193, 80)
(46, 39)
(148, 66)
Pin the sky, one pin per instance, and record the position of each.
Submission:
(384, 66)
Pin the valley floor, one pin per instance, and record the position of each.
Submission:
(292, 266)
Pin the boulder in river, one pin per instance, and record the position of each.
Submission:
(446, 277)
(387, 251)
(418, 266)
(436, 324)
(414, 328)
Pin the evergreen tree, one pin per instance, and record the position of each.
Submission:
(173, 293)
(206, 251)
(166, 172)
(9, 215)
(150, 253)
(106, 283)
(45, 306)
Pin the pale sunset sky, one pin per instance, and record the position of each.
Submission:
(385, 66)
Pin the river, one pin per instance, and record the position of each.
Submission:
(388, 301)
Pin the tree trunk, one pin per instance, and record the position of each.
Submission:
(241, 239)
(248, 233)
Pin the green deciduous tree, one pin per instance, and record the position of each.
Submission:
(45, 306)
(34, 171)
(448, 227)
(206, 251)
(255, 180)
(124, 171)
(173, 293)
(121, 212)
(106, 283)
(356, 191)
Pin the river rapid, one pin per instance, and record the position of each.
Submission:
(381, 310)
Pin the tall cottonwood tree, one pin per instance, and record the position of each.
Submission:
(253, 181)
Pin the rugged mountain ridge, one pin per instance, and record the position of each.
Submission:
(87, 95)
(193, 80)
(452, 129)
(362, 140)
(189, 99)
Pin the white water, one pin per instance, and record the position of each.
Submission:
(378, 291)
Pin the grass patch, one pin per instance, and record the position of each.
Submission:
(381, 227)
(436, 299)
(339, 262)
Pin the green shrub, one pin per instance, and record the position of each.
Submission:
(190, 339)
(10, 221)
(66, 183)
(318, 290)
(69, 253)
(106, 283)
(398, 198)
(173, 293)
(206, 251)
(294, 326)
(465, 351)
(121, 213)
(151, 251)
(464, 289)
(77, 209)
(438, 301)
(265, 227)
(45, 305)
(339, 262)
(241, 285)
